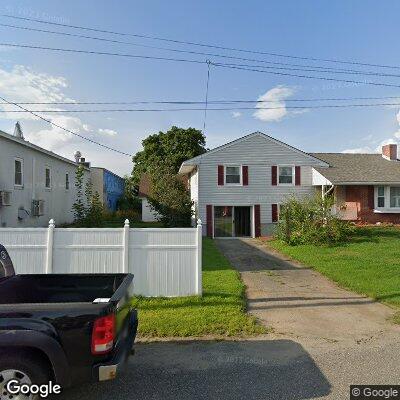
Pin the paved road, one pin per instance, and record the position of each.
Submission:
(325, 339)
(256, 369)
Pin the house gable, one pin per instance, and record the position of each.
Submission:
(256, 147)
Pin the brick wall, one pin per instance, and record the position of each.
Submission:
(361, 200)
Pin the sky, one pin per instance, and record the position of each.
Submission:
(356, 31)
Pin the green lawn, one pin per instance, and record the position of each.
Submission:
(369, 263)
(220, 312)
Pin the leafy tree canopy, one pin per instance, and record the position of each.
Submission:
(168, 149)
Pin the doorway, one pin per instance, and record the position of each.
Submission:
(242, 221)
(232, 221)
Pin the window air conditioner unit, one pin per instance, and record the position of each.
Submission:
(5, 198)
(37, 208)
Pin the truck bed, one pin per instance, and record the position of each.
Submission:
(59, 288)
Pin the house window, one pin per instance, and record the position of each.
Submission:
(48, 178)
(233, 175)
(286, 175)
(394, 197)
(67, 181)
(381, 196)
(18, 172)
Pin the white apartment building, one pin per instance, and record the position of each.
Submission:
(36, 185)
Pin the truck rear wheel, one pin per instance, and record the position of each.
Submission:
(23, 367)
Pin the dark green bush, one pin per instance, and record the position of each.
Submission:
(311, 221)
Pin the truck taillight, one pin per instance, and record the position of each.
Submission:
(103, 334)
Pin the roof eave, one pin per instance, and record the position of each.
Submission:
(35, 147)
(186, 168)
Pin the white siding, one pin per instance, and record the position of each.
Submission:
(318, 179)
(259, 153)
(57, 201)
(194, 194)
(148, 215)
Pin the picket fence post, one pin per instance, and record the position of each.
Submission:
(50, 241)
(199, 266)
(125, 243)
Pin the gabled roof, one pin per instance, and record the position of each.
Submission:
(188, 165)
(30, 145)
(358, 168)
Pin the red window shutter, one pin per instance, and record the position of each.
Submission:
(274, 212)
(209, 220)
(274, 175)
(257, 221)
(245, 175)
(297, 175)
(371, 198)
(220, 175)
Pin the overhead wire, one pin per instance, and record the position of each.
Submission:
(301, 67)
(34, 113)
(151, 37)
(232, 66)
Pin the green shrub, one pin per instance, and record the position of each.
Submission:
(170, 199)
(120, 216)
(311, 221)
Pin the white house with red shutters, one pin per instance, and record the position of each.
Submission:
(237, 188)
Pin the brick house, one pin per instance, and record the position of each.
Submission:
(366, 186)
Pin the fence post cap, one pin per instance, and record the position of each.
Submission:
(126, 222)
(52, 224)
(199, 222)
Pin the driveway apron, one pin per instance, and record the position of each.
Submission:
(298, 302)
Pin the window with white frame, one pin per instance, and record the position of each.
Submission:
(387, 198)
(381, 196)
(285, 175)
(233, 175)
(48, 178)
(394, 197)
(18, 172)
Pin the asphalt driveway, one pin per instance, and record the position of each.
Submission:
(301, 304)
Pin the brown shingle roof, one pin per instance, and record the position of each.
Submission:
(358, 168)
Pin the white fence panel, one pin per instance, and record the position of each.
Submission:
(165, 262)
(87, 250)
(27, 248)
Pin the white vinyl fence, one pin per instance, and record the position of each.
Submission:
(164, 261)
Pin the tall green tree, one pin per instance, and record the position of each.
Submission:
(168, 149)
(170, 199)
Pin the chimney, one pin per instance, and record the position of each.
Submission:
(389, 151)
(77, 156)
(83, 162)
(18, 131)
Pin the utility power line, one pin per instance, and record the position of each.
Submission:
(324, 78)
(301, 67)
(273, 54)
(103, 53)
(63, 128)
(178, 102)
(232, 66)
(202, 108)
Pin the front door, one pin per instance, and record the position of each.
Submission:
(242, 221)
(223, 221)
